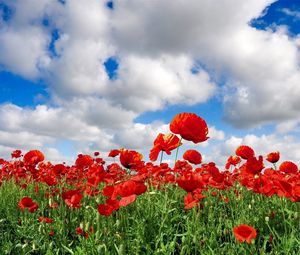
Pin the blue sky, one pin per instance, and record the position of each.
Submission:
(77, 77)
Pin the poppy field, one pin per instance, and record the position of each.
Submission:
(251, 206)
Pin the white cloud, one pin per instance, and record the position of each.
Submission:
(288, 146)
(156, 43)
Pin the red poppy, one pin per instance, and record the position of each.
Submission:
(232, 161)
(83, 161)
(27, 202)
(72, 198)
(244, 233)
(50, 180)
(253, 165)
(244, 152)
(164, 143)
(193, 156)
(273, 157)
(105, 209)
(190, 201)
(190, 127)
(190, 181)
(79, 231)
(127, 200)
(288, 167)
(296, 193)
(16, 154)
(113, 153)
(45, 220)
(33, 157)
(130, 158)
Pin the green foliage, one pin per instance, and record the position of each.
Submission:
(156, 223)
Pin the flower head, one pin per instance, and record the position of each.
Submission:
(164, 143)
(190, 127)
(244, 152)
(244, 233)
(193, 156)
(273, 157)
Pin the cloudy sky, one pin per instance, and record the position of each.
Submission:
(78, 76)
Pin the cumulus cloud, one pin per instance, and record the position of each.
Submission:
(156, 44)
(287, 145)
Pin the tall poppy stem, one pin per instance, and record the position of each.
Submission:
(161, 156)
(177, 150)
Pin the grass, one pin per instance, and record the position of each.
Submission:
(156, 223)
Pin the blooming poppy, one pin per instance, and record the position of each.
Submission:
(130, 158)
(127, 200)
(114, 153)
(232, 161)
(288, 167)
(190, 182)
(72, 198)
(244, 233)
(253, 165)
(296, 193)
(193, 156)
(164, 143)
(45, 220)
(33, 157)
(105, 209)
(83, 161)
(273, 157)
(190, 201)
(244, 152)
(190, 127)
(16, 154)
(27, 202)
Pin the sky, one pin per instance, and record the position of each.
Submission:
(83, 76)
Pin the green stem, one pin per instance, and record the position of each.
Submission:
(161, 156)
(177, 150)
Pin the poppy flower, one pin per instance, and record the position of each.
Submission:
(72, 198)
(16, 154)
(105, 209)
(113, 153)
(164, 143)
(253, 166)
(190, 201)
(79, 231)
(273, 157)
(190, 127)
(288, 167)
(193, 156)
(232, 161)
(244, 152)
(190, 182)
(33, 157)
(127, 200)
(83, 161)
(296, 193)
(130, 158)
(244, 233)
(45, 220)
(27, 202)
